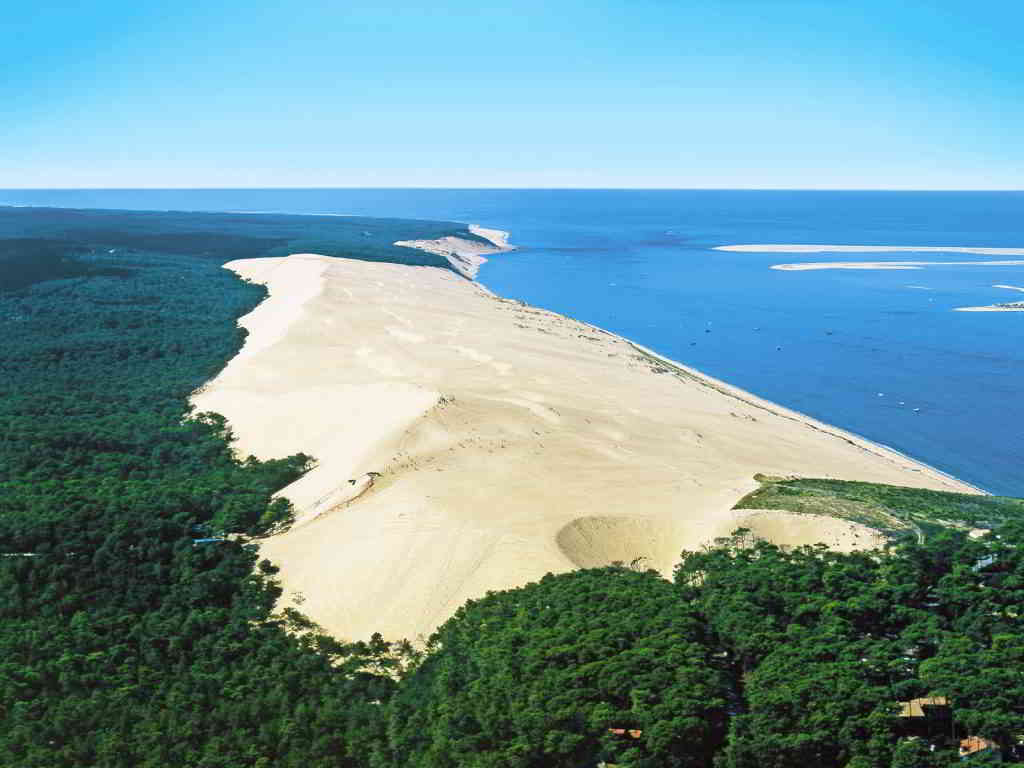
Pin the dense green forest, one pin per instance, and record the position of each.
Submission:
(138, 626)
(124, 641)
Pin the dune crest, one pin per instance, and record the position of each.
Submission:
(468, 443)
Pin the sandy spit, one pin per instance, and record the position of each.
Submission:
(803, 266)
(870, 249)
(468, 443)
(1011, 307)
(464, 255)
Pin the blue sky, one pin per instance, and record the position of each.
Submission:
(912, 94)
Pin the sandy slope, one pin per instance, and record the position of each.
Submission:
(509, 442)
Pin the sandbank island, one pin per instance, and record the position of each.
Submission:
(467, 442)
(1009, 306)
(814, 265)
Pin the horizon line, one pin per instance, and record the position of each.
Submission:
(513, 188)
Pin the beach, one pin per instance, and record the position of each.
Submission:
(467, 442)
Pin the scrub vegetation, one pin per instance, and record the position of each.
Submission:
(894, 510)
(138, 626)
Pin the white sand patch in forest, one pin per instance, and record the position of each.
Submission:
(789, 529)
(468, 443)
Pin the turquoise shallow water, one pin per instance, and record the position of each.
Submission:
(861, 350)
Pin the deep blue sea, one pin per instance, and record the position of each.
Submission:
(880, 353)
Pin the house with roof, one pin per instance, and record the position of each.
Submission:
(928, 717)
(974, 746)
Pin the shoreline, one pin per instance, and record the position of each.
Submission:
(865, 443)
(749, 398)
(462, 439)
(465, 256)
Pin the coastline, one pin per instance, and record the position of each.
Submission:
(865, 443)
(463, 439)
(465, 256)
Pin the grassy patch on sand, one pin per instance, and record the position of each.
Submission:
(894, 510)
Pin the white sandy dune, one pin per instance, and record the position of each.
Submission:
(468, 443)
(463, 254)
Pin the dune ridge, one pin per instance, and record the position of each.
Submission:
(467, 442)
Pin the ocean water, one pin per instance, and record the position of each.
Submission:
(880, 353)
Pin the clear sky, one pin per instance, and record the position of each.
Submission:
(912, 94)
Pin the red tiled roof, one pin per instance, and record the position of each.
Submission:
(973, 744)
